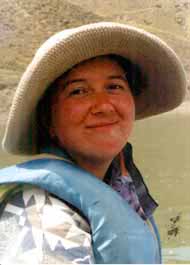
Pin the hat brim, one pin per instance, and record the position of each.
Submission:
(166, 81)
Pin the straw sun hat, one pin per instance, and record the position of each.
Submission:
(166, 82)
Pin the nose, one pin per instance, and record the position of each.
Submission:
(102, 104)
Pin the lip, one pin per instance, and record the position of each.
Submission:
(101, 125)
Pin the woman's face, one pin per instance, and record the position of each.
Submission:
(93, 111)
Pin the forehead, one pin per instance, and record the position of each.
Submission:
(101, 64)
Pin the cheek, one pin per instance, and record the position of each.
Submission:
(126, 108)
(69, 112)
(67, 118)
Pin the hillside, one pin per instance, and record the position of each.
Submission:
(25, 24)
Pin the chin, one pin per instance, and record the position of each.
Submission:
(99, 151)
(104, 155)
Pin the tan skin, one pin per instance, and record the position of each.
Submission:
(93, 114)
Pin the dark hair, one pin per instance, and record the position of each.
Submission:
(133, 75)
(132, 71)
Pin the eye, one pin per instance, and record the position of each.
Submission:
(116, 87)
(78, 91)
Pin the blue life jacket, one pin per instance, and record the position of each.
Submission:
(119, 235)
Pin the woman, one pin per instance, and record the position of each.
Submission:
(82, 199)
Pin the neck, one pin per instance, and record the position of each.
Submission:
(96, 168)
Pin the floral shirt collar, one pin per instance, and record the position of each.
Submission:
(127, 180)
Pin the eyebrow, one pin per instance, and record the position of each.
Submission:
(74, 81)
(121, 77)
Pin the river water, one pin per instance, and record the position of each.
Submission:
(161, 148)
(162, 152)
